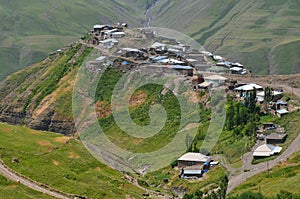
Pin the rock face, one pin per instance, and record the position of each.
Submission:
(48, 120)
(40, 96)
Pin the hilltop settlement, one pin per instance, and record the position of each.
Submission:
(130, 49)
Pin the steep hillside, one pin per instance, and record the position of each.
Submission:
(40, 96)
(31, 29)
(263, 35)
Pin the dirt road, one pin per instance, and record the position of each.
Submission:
(235, 181)
(241, 176)
(11, 175)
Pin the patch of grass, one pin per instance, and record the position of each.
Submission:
(65, 165)
(12, 190)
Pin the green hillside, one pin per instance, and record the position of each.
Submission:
(31, 29)
(263, 35)
(12, 190)
(60, 162)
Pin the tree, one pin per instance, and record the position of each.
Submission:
(250, 101)
(230, 116)
(268, 97)
(237, 115)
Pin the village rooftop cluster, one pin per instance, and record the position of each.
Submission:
(203, 69)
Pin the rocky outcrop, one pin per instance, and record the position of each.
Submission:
(48, 120)
(40, 96)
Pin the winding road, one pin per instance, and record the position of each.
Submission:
(11, 175)
(236, 180)
(241, 176)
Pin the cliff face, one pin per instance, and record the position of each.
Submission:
(40, 96)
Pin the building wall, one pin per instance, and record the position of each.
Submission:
(189, 163)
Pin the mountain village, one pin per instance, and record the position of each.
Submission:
(204, 70)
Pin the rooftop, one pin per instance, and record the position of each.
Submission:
(194, 157)
(276, 136)
(181, 67)
(248, 87)
(267, 150)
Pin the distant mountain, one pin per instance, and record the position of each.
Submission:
(30, 29)
(262, 34)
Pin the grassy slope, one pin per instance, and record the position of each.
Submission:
(67, 166)
(12, 190)
(31, 29)
(258, 33)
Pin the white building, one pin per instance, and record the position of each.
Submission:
(266, 150)
(191, 159)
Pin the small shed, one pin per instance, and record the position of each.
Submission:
(159, 46)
